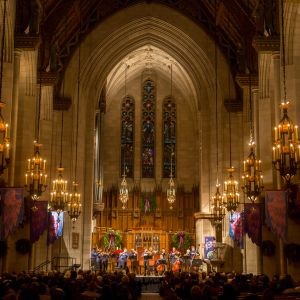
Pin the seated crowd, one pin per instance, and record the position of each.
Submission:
(83, 285)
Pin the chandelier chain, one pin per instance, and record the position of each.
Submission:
(2, 47)
(283, 52)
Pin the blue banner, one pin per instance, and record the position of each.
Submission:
(209, 247)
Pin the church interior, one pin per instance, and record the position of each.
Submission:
(150, 124)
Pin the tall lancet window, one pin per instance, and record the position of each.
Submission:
(148, 129)
(127, 136)
(169, 137)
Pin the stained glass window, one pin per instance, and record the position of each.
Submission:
(148, 129)
(169, 137)
(127, 136)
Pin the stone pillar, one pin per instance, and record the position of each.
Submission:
(14, 115)
(277, 85)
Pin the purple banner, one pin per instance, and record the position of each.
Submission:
(209, 247)
(56, 223)
(252, 222)
(12, 201)
(236, 228)
(276, 212)
(38, 220)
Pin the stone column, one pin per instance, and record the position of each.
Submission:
(277, 85)
(14, 115)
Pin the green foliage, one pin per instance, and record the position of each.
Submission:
(109, 236)
(187, 240)
(152, 202)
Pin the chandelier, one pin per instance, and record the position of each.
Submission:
(216, 201)
(74, 197)
(252, 172)
(74, 203)
(4, 140)
(286, 149)
(36, 177)
(123, 196)
(59, 194)
(231, 194)
(217, 207)
(252, 175)
(123, 192)
(171, 190)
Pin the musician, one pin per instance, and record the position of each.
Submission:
(173, 255)
(104, 260)
(187, 259)
(122, 259)
(94, 255)
(134, 262)
(161, 262)
(147, 255)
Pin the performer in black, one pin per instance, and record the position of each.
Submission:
(104, 260)
(147, 255)
(133, 260)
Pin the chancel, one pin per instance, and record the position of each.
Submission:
(146, 106)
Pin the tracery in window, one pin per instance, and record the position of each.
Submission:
(169, 136)
(127, 136)
(148, 129)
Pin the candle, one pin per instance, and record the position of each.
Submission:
(26, 178)
(6, 129)
(296, 132)
(275, 133)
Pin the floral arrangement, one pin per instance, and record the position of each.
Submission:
(181, 240)
(23, 246)
(148, 204)
(3, 248)
(112, 239)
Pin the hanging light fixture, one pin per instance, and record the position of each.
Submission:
(286, 149)
(124, 189)
(74, 197)
(217, 205)
(4, 139)
(171, 190)
(36, 177)
(59, 193)
(231, 186)
(252, 172)
(123, 193)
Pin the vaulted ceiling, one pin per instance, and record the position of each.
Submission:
(65, 22)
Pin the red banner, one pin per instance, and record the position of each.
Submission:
(12, 210)
(253, 223)
(276, 212)
(38, 220)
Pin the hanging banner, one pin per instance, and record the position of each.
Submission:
(276, 212)
(38, 220)
(12, 210)
(209, 247)
(253, 223)
(55, 229)
(236, 228)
